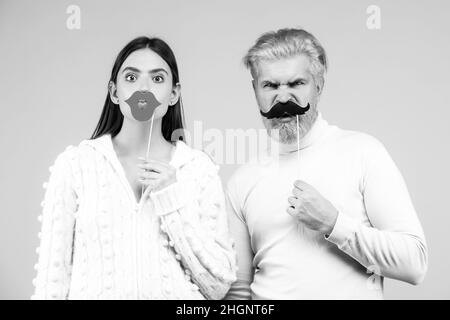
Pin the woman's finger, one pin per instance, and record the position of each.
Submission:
(154, 166)
(149, 182)
(149, 175)
(160, 164)
(154, 161)
(150, 167)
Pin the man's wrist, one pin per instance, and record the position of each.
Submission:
(332, 224)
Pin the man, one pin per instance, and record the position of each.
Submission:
(330, 216)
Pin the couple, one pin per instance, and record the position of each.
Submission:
(134, 213)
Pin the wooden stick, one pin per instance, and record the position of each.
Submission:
(298, 146)
(148, 148)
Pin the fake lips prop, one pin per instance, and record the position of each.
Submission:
(143, 105)
(288, 109)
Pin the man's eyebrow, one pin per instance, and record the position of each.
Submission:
(290, 82)
(269, 81)
(298, 79)
(139, 71)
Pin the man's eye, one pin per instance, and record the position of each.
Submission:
(297, 83)
(130, 77)
(158, 79)
(269, 85)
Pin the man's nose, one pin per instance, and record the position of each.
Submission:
(283, 96)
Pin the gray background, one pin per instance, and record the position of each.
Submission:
(392, 83)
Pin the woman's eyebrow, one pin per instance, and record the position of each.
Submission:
(131, 69)
(139, 71)
(159, 70)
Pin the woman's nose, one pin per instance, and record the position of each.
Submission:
(145, 84)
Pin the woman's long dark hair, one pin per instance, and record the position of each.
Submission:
(111, 119)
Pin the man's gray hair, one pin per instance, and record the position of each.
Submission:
(286, 43)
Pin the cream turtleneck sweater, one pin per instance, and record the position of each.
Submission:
(377, 233)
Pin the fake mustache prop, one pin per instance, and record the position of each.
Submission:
(288, 109)
(142, 104)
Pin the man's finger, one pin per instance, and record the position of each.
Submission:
(293, 201)
(297, 192)
(302, 185)
(291, 211)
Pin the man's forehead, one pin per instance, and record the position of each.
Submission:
(283, 68)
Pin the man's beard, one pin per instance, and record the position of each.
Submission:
(286, 132)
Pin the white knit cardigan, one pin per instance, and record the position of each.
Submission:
(98, 242)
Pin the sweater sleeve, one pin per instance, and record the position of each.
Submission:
(394, 245)
(56, 236)
(192, 213)
(240, 289)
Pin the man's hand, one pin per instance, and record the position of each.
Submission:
(311, 208)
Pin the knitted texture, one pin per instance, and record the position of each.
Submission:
(98, 242)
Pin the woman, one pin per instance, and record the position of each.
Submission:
(102, 237)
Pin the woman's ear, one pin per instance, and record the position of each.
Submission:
(113, 92)
(175, 96)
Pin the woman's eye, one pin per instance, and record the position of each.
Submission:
(158, 79)
(130, 77)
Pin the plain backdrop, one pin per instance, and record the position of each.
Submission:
(392, 82)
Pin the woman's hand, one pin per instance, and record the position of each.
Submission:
(156, 174)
